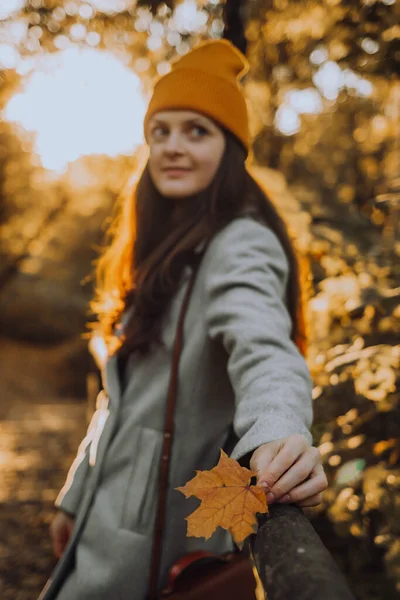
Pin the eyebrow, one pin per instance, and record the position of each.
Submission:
(193, 121)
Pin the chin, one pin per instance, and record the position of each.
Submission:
(177, 192)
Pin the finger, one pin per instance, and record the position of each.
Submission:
(264, 455)
(297, 473)
(57, 548)
(316, 484)
(61, 541)
(290, 452)
(53, 539)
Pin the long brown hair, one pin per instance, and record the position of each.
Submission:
(147, 250)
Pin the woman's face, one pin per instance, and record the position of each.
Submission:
(186, 149)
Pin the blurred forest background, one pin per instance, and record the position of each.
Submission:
(324, 99)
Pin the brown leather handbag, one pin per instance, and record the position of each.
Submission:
(197, 575)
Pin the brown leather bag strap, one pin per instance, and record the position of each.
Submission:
(167, 445)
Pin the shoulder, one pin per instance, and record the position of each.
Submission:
(248, 241)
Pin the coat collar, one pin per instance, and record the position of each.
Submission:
(110, 375)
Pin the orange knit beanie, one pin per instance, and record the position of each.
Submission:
(206, 80)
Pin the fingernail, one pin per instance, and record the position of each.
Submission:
(264, 484)
(270, 497)
(285, 498)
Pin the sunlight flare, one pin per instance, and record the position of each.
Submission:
(80, 102)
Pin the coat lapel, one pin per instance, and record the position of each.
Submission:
(111, 381)
(110, 374)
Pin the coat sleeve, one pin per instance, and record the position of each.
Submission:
(245, 309)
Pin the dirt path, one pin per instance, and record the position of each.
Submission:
(37, 444)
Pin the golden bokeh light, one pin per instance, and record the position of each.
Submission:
(9, 7)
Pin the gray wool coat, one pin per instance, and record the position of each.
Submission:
(242, 383)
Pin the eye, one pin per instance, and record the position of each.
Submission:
(199, 131)
(158, 131)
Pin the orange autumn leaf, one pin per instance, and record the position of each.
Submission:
(227, 500)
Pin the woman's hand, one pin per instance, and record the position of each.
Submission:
(60, 531)
(290, 470)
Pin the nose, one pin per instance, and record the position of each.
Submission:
(173, 144)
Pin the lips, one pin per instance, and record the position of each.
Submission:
(176, 171)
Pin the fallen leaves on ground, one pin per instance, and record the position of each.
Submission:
(227, 500)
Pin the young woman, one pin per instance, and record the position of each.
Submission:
(244, 385)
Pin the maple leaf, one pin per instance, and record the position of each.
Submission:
(227, 500)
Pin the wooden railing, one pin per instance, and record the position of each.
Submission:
(292, 562)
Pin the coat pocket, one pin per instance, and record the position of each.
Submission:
(141, 495)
